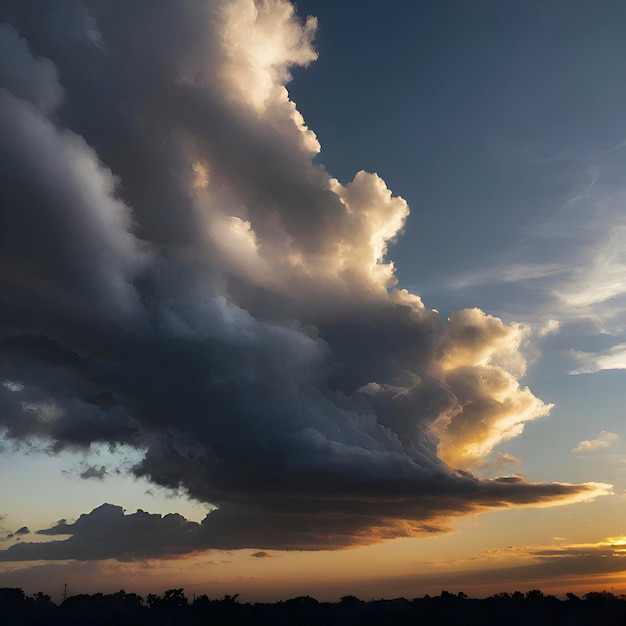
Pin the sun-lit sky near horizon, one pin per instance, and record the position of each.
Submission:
(312, 298)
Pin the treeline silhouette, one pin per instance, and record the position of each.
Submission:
(174, 608)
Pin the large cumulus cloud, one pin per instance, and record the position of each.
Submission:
(178, 274)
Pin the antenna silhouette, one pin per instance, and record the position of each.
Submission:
(64, 592)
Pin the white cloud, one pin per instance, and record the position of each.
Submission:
(603, 440)
(601, 275)
(591, 362)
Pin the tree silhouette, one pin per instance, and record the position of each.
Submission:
(172, 608)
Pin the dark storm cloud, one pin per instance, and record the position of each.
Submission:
(107, 533)
(278, 521)
(177, 274)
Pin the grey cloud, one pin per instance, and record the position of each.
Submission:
(177, 274)
(315, 519)
(107, 533)
(34, 80)
(93, 471)
(68, 245)
(20, 531)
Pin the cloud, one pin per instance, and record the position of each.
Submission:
(261, 555)
(603, 440)
(554, 569)
(108, 533)
(602, 278)
(178, 274)
(502, 459)
(512, 273)
(570, 264)
(591, 362)
(33, 79)
(92, 471)
(18, 533)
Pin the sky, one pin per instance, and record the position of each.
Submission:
(312, 299)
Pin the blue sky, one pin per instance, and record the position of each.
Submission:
(209, 210)
(502, 125)
(488, 117)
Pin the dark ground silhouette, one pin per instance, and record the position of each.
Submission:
(174, 608)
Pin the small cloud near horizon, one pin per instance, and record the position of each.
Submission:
(261, 554)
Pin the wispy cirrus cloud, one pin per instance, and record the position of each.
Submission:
(571, 264)
(614, 358)
(513, 273)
